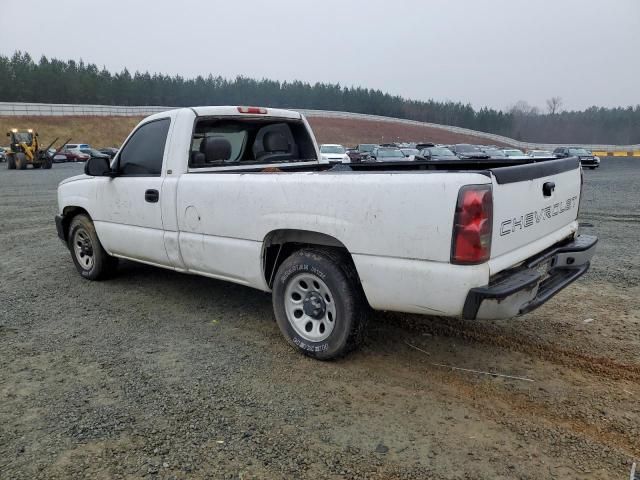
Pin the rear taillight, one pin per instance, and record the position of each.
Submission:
(472, 225)
(255, 110)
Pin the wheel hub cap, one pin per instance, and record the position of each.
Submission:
(310, 307)
(314, 306)
(83, 249)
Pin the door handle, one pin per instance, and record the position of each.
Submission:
(547, 189)
(151, 196)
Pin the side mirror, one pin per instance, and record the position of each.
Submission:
(97, 167)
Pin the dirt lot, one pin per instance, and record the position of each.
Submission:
(160, 375)
(111, 131)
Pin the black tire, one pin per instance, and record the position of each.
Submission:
(11, 162)
(21, 161)
(338, 274)
(47, 164)
(95, 263)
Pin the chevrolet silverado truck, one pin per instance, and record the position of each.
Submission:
(239, 194)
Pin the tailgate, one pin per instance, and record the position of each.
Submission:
(531, 202)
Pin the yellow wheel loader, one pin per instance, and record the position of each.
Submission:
(24, 150)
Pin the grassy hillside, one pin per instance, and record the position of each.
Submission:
(111, 131)
(97, 131)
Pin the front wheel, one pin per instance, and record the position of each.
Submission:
(11, 162)
(90, 259)
(21, 161)
(319, 303)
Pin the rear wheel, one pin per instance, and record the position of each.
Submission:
(90, 259)
(47, 163)
(11, 162)
(319, 303)
(21, 161)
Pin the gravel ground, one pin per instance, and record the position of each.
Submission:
(159, 375)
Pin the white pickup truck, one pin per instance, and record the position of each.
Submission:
(239, 194)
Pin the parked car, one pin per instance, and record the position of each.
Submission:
(360, 152)
(111, 151)
(438, 153)
(354, 155)
(423, 145)
(587, 159)
(487, 243)
(3, 155)
(366, 148)
(57, 156)
(93, 153)
(333, 153)
(74, 155)
(75, 146)
(515, 154)
(410, 152)
(466, 151)
(386, 154)
(540, 154)
(74, 152)
(493, 152)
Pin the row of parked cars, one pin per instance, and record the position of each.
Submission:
(390, 152)
(80, 152)
(72, 152)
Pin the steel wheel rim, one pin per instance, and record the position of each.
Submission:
(313, 328)
(83, 249)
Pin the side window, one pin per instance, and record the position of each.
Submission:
(142, 155)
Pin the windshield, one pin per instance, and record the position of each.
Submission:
(467, 148)
(332, 149)
(513, 152)
(578, 151)
(23, 137)
(494, 152)
(389, 153)
(440, 152)
(410, 151)
(367, 147)
(541, 153)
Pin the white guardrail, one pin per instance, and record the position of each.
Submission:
(52, 109)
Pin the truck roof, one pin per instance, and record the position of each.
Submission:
(248, 111)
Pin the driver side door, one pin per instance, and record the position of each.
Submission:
(130, 204)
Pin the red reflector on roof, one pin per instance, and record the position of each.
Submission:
(256, 110)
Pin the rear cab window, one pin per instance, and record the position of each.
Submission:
(230, 141)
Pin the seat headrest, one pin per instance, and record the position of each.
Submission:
(276, 142)
(215, 149)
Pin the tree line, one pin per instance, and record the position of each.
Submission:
(58, 81)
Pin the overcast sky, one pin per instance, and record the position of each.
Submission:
(486, 52)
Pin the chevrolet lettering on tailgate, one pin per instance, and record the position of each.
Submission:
(532, 218)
